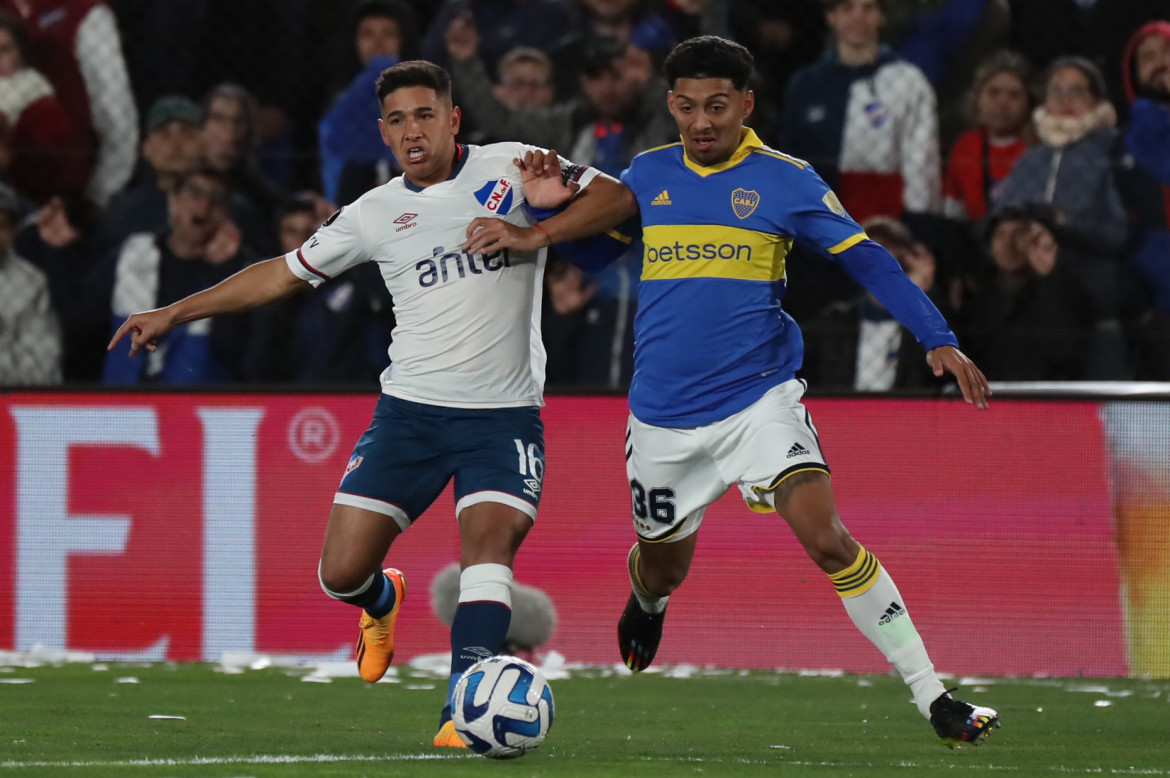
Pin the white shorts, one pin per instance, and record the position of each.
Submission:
(675, 474)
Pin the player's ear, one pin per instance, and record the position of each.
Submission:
(456, 119)
(383, 130)
(749, 103)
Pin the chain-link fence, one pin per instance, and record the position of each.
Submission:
(1012, 156)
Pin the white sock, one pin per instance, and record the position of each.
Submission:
(872, 600)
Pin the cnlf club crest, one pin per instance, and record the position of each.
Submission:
(744, 202)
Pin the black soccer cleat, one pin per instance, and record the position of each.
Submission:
(957, 723)
(639, 633)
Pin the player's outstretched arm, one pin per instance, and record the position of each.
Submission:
(972, 382)
(261, 283)
(597, 208)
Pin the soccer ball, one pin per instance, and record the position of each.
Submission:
(502, 707)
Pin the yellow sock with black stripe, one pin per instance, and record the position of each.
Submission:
(649, 602)
(872, 600)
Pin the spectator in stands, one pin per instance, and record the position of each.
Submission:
(335, 334)
(1027, 322)
(353, 157)
(1070, 173)
(867, 121)
(30, 339)
(858, 345)
(525, 79)
(1000, 110)
(42, 154)
(1144, 181)
(227, 137)
(170, 149)
(199, 249)
(75, 44)
(503, 25)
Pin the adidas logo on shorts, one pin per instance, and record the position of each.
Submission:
(797, 450)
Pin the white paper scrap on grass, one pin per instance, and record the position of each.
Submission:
(162, 716)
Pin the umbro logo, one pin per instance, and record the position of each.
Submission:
(797, 450)
(894, 611)
(663, 198)
(407, 220)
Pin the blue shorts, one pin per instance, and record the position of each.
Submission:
(404, 461)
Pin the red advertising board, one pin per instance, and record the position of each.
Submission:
(178, 526)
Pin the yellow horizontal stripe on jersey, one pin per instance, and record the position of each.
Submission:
(712, 251)
(848, 243)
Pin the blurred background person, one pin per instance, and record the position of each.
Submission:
(858, 345)
(1144, 182)
(1070, 173)
(170, 149)
(42, 154)
(30, 338)
(76, 45)
(353, 157)
(335, 334)
(1027, 321)
(227, 137)
(200, 248)
(866, 120)
(999, 108)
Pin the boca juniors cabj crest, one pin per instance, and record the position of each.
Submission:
(744, 202)
(496, 196)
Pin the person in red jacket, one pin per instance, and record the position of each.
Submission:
(1000, 109)
(75, 44)
(41, 153)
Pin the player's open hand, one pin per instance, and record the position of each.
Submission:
(144, 329)
(972, 382)
(540, 174)
(487, 235)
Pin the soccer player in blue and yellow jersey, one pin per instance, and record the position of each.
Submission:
(715, 401)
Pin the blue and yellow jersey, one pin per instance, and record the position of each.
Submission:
(711, 337)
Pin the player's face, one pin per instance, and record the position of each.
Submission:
(710, 113)
(420, 128)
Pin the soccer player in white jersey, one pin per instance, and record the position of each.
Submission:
(461, 397)
(715, 401)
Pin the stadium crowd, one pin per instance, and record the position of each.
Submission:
(1013, 155)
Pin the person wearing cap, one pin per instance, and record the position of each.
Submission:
(170, 149)
(30, 337)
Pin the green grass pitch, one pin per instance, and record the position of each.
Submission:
(95, 720)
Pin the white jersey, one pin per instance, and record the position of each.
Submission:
(467, 331)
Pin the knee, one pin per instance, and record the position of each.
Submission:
(339, 582)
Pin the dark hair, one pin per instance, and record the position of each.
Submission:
(709, 56)
(601, 55)
(413, 72)
(1091, 72)
(830, 5)
(889, 232)
(203, 171)
(15, 26)
(401, 13)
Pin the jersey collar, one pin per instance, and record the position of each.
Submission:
(747, 145)
(460, 161)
